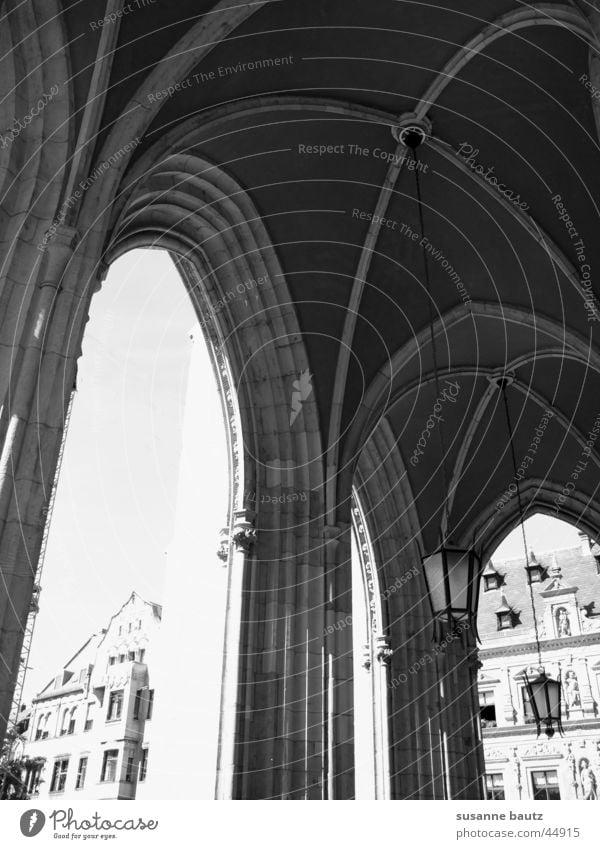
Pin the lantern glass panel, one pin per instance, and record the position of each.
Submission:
(434, 572)
(553, 690)
(546, 694)
(458, 575)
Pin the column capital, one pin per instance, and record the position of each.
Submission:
(383, 650)
(242, 535)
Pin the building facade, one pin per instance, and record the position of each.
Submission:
(566, 594)
(91, 723)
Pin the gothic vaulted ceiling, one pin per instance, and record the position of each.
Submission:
(301, 103)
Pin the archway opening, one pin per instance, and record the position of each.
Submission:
(131, 616)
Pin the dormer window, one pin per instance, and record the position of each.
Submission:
(535, 571)
(505, 615)
(492, 580)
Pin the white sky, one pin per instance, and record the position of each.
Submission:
(114, 513)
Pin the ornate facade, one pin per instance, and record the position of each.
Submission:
(566, 590)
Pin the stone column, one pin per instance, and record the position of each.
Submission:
(42, 375)
(338, 653)
(293, 738)
(460, 715)
(236, 550)
(383, 653)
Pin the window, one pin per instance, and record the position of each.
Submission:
(545, 784)
(491, 582)
(89, 719)
(120, 630)
(81, 771)
(505, 620)
(131, 655)
(142, 654)
(137, 704)
(139, 624)
(111, 660)
(143, 764)
(535, 573)
(40, 729)
(109, 765)
(129, 769)
(64, 726)
(494, 786)
(59, 775)
(150, 704)
(121, 658)
(129, 628)
(487, 709)
(528, 714)
(115, 705)
(71, 728)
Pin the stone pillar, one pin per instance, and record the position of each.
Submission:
(235, 550)
(42, 375)
(417, 743)
(460, 715)
(338, 653)
(383, 653)
(293, 737)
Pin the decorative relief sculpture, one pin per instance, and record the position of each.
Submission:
(244, 538)
(563, 623)
(572, 694)
(587, 780)
(542, 750)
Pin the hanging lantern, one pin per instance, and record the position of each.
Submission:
(544, 696)
(452, 577)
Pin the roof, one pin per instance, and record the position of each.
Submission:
(578, 570)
